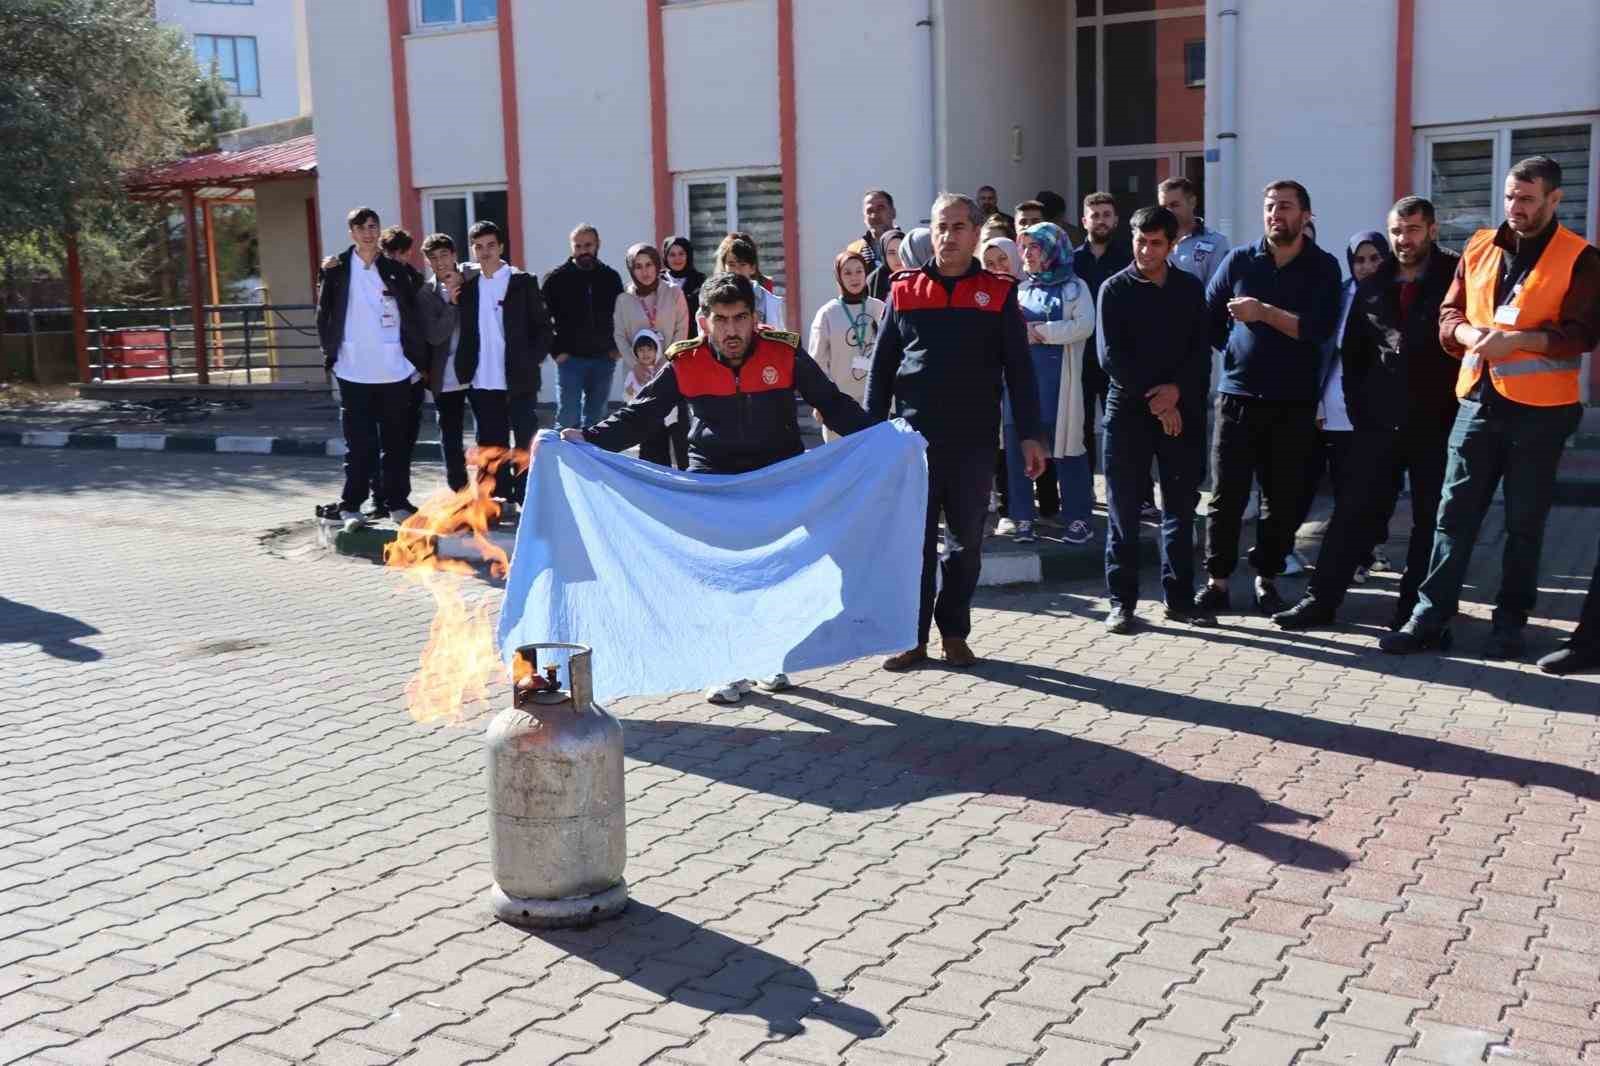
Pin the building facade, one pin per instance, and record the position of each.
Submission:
(257, 47)
(650, 117)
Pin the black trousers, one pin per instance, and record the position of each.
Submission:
(1133, 439)
(958, 489)
(1366, 489)
(1588, 632)
(1096, 384)
(500, 417)
(1265, 441)
(669, 445)
(418, 394)
(377, 420)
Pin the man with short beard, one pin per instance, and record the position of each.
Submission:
(1522, 310)
(877, 214)
(1399, 393)
(582, 297)
(1273, 305)
(989, 206)
(1096, 259)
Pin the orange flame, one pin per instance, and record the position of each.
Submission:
(460, 660)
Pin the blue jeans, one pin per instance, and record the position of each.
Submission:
(1490, 443)
(583, 388)
(1072, 474)
(1133, 439)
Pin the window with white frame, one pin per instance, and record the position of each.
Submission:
(710, 206)
(1462, 170)
(455, 211)
(234, 60)
(436, 14)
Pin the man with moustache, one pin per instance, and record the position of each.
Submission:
(1273, 303)
(1522, 310)
(1399, 392)
(1096, 259)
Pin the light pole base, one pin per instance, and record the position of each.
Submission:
(559, 913)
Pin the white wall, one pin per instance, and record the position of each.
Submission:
(350, 76)
(585, 133)
(453, 80)
(1002, 64)
(273, 25)
(1477, 60)
(722, 80)
(1320, 111)
(849, 138)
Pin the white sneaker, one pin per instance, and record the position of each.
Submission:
(399, 515)
(732, 692)
(1360, 576)
(1294, 564)
(1380, 561)
(1005, 527)
(353, 520)
(775, 683)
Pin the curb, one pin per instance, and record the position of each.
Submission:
(202, 443)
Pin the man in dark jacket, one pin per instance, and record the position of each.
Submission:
(952, 332)
(1273, 303)
(374, 345)
(505, 335)
(740, 383)
(582, 296)
(1155, 347)
(1399, 390)
(1101, 255)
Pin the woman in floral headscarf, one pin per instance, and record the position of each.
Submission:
(1059, 310)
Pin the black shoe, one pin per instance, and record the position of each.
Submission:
(1309, 613)
(1505, 644)
(376, 510)
(1402, 614)
(1189, 615)
(1211, 599)
(330, 511)
(1267, 599)
(1120, 620)
(1413, 638)
(1571, 660)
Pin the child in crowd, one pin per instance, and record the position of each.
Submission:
(669, 446)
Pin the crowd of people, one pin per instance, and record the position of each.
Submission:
(1030, 353)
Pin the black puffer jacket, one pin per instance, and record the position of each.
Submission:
(582, 305)
(1396, 374)
(740, 419)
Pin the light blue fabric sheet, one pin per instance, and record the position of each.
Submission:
(681, 581)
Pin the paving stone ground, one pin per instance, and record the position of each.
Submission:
(223, 840)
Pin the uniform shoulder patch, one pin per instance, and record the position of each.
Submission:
(682, 348)
(782, 336)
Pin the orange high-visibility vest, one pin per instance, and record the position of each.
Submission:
(1532, 378)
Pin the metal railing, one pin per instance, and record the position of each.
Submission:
(248, 343)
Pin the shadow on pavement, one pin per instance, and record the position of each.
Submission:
(55, 634)
(905, 757)
(687, 963)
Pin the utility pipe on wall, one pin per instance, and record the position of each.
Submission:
(1227, 171)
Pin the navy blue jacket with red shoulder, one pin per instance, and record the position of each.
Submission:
(945, 347)
(740, 418)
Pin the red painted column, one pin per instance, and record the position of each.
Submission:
(1404, 52)
(660, 171)
(509, 123)
(197, 312)
(410, 199)
(80, 317)
(787, 160)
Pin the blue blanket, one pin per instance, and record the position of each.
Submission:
(681, 581)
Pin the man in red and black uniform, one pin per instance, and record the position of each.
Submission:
(952, 332)
(739, 381)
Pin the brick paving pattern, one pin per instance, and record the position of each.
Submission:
(223, 841)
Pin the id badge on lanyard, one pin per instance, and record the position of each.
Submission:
(1506, 313)
(389, 314)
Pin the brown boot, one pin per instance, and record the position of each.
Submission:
(956, 653)
(906, 660)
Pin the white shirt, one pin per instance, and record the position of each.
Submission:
(491, 372)
(1334, 415)
(371, 353)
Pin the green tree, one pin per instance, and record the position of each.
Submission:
(71, 128)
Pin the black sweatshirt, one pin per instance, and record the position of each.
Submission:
(1153, 335)
(582, 305)
(943, 349)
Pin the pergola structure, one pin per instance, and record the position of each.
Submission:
(203, 180)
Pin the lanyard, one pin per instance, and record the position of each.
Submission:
(856, 335)
(650, 308)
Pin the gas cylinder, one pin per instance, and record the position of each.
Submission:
(557, 818)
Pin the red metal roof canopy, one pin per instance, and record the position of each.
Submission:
(294, 158)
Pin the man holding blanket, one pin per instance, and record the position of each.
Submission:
(740, 383)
